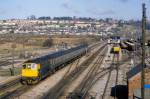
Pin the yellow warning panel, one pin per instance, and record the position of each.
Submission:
(116, 49)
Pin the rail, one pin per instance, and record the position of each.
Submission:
(55, 92)
(87, 83)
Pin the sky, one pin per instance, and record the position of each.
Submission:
(117, 9)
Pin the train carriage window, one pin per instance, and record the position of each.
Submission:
(46, 62)
(52, 61)
(67, 56)
(49, 61)
(61, 58)
(56, 60)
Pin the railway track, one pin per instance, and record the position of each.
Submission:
(83, 88)
(112, 80)
(111, 75)
(5, 62)
(10, 83)
(12, 89)
(57, 90)
(94, 45)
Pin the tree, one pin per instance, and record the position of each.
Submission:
(44, 18)
(48, 42)
(32, 17)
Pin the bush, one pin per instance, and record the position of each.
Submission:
(48, 42)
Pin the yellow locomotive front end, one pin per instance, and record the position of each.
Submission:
(30, 72)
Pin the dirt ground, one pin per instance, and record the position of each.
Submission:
(29, 43)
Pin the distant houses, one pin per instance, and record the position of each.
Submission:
(59, 27)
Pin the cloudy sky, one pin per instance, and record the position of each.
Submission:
(118, 9)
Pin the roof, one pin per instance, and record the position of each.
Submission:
(122, 44)
(135, 70)
(129, 43)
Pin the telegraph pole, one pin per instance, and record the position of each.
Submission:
(13, 46)
(143, 51)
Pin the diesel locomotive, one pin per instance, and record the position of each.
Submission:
(34, 70)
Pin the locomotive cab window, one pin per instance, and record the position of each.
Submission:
(28, 66)
(24, 66)
(33, 66)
